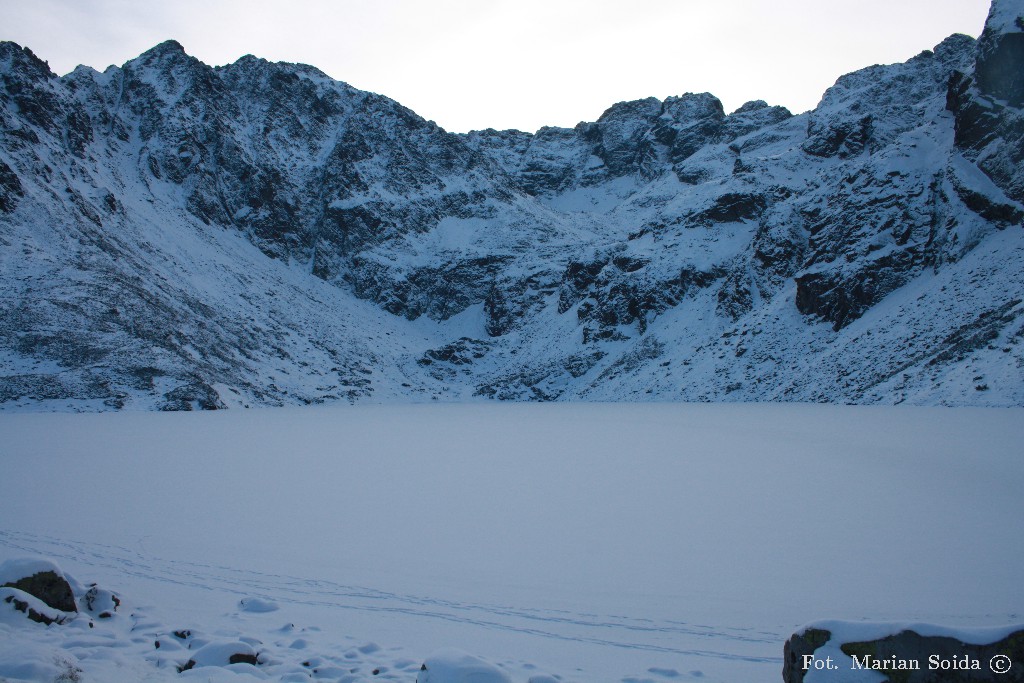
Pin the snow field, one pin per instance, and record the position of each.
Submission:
(594, 542)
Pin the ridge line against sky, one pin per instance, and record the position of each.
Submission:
(472, 64)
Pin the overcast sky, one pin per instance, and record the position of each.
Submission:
(514, 63)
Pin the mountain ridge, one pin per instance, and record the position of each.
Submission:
(180, 236)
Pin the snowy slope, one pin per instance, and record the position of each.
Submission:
(178, 236)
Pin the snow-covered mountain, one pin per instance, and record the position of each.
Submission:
(178, 236)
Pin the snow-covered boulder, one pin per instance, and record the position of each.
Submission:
(100, 602)
(257, 605)
(845, 652)
(13, 601)
(40, 578)
(451, 665)
(222, 653)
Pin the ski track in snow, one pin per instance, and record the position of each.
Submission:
(602, 630)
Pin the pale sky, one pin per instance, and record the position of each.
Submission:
(523, 64)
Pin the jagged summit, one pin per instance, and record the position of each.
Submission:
(163, 55)
(252, 63)
(174, 235)
(167, 47)
(22, 59)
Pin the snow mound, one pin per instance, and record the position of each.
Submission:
(450, 665)
(23, 567)
(42, 664)
(258, 605)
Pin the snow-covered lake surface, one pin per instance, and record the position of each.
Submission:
(594, 542)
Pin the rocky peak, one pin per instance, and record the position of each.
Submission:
(753, 116)
(257, 65)
(15, 59)
(27, 82)
(955, 52)
(686, 124)
(172, 72)
(250, 62)
(753, 105)
(617, 134)
(630, 111)
(168, 50)
(868, 109)
(692, 107)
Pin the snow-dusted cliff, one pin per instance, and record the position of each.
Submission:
(174, 235)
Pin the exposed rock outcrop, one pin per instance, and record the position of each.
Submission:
(41, 579)
(922, 654)
(987, 101)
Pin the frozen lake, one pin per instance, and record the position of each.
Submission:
(596, 542)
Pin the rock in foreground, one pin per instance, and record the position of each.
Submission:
(41, 579)
(903, 653)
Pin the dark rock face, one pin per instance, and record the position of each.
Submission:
(991, 133)
(193, 394)
(842, 297)
(733, 206)
(617, 290)
(687, 124)
(243, 659)
(48, 586)
(796, 648)
(10, 188)
(511, 300)
(462, 352)
(1000, 54)
(1001, 214)
(938, 659)
(438, 292)
(456, 361)
(998, 70)
(987, 103)
(883, 222)
(619, 136)
(841, 138)
(221, 654)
